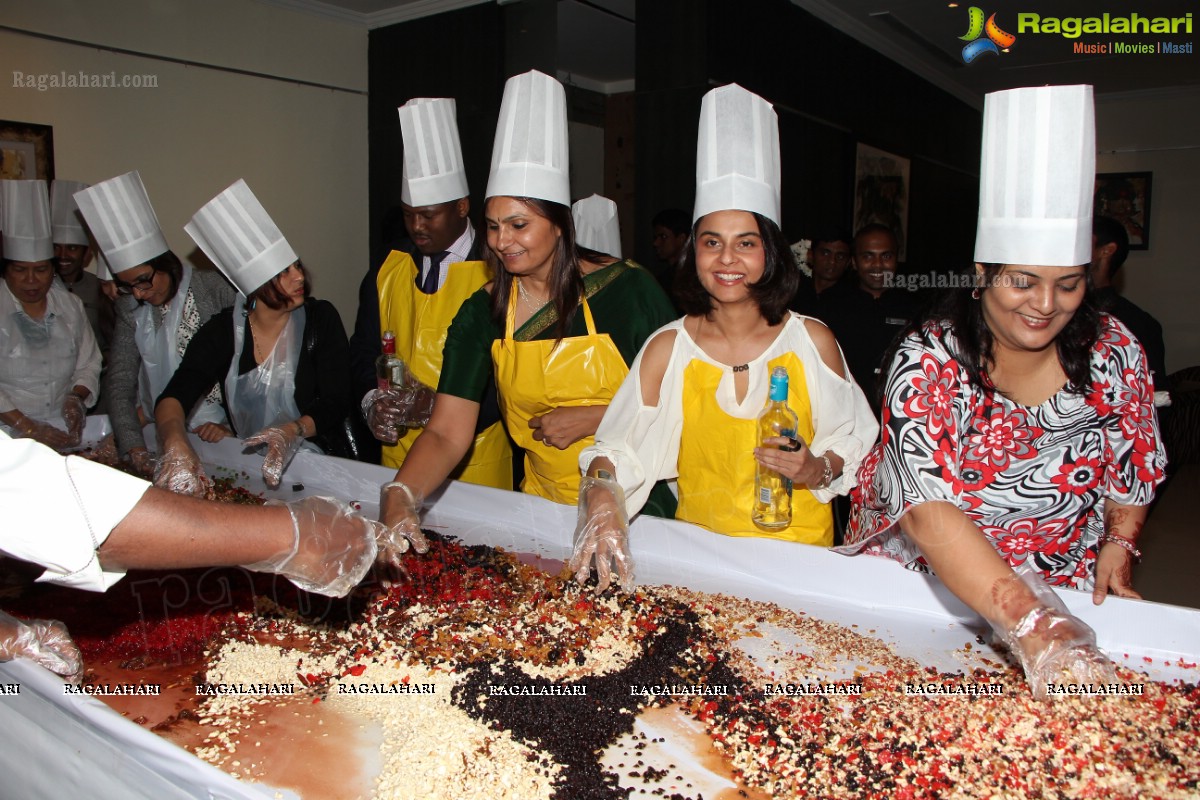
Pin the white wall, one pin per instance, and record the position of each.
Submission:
(303, 150)
(1160, 132)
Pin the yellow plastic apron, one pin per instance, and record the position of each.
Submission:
(420, 322)
(716, 460)
(536, 377)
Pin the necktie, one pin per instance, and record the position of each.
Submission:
(429, 284)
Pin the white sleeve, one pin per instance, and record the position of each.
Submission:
(842, 419)
(58, 510)
(642, 441)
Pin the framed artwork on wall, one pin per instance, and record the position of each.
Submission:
(26, 151)
(1125, 196)
(881, 193)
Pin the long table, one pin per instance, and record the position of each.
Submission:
(56, 744)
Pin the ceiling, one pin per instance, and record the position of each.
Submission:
(596, 41)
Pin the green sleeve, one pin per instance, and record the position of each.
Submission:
(467, 354)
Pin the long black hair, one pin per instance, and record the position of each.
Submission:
(962, 309)
(566, 279)
(772, 292)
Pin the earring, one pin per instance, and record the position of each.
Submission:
(975, 293)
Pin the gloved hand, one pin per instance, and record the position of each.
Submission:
(47, 434)
(143, 461)
(398, 510)
(416, 403)
(1053, 645)
(382, 410)
(44, 641)
(74, 414)
(602, 533)
(105, 451)
(282, 442)
(332, 550)
(179, 470)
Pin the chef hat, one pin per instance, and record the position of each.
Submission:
(120, 216)
(433, 164)
(26, 209)
(596, 224)
(66, 223)
(102, 269)
(1036, 176)
(235, 231)
(737, 154)
(529, 157)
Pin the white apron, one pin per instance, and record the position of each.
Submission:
(265, 395)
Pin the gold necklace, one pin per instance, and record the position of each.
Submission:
(254, 335)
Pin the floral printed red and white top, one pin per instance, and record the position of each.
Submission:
(1034, 479)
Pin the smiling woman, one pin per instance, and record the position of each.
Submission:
(1019, 424)
(557, 328)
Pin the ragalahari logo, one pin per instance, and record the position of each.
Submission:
(995, 41)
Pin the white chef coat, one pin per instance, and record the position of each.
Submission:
(36, 376)
(58, 510)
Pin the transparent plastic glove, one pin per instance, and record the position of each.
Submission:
(282, 442)
(47, 434)
(416, 404)
(1053, 645)
(602, 534)
(382, 410)
(179, 470)
(398, 510)
(74, 414)
(332, 550)
(142, 460)
(105, 451)
(44, 641)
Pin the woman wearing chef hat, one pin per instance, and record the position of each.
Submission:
(558, 326)
(690, 407)
(1019, 425)
(281, 359)
(49, 360)
(161, 304)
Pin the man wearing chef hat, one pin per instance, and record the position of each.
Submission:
(421, 290)
(72, 254)
(1022, 448)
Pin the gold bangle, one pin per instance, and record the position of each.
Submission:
(1124, 544)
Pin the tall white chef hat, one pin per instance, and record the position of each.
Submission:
(26, 209)
(1036, 177)
(433, 164)
(235, 231)
(66, 223)
(596, 224)
(737, 154)
(529, 156)
(120, 216)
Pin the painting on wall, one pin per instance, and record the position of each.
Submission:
(881, 193)
(26, 151)
(1125, 196)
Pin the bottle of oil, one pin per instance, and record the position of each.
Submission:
(772, 491)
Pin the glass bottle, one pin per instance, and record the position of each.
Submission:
(389, 367)
(772, 491)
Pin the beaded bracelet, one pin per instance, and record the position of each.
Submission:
(1123, 543)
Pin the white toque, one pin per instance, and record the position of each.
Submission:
(235, 231)
(737, 154)
(120, 216)
(529, 155)
(1036, 177)
(433, 164)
